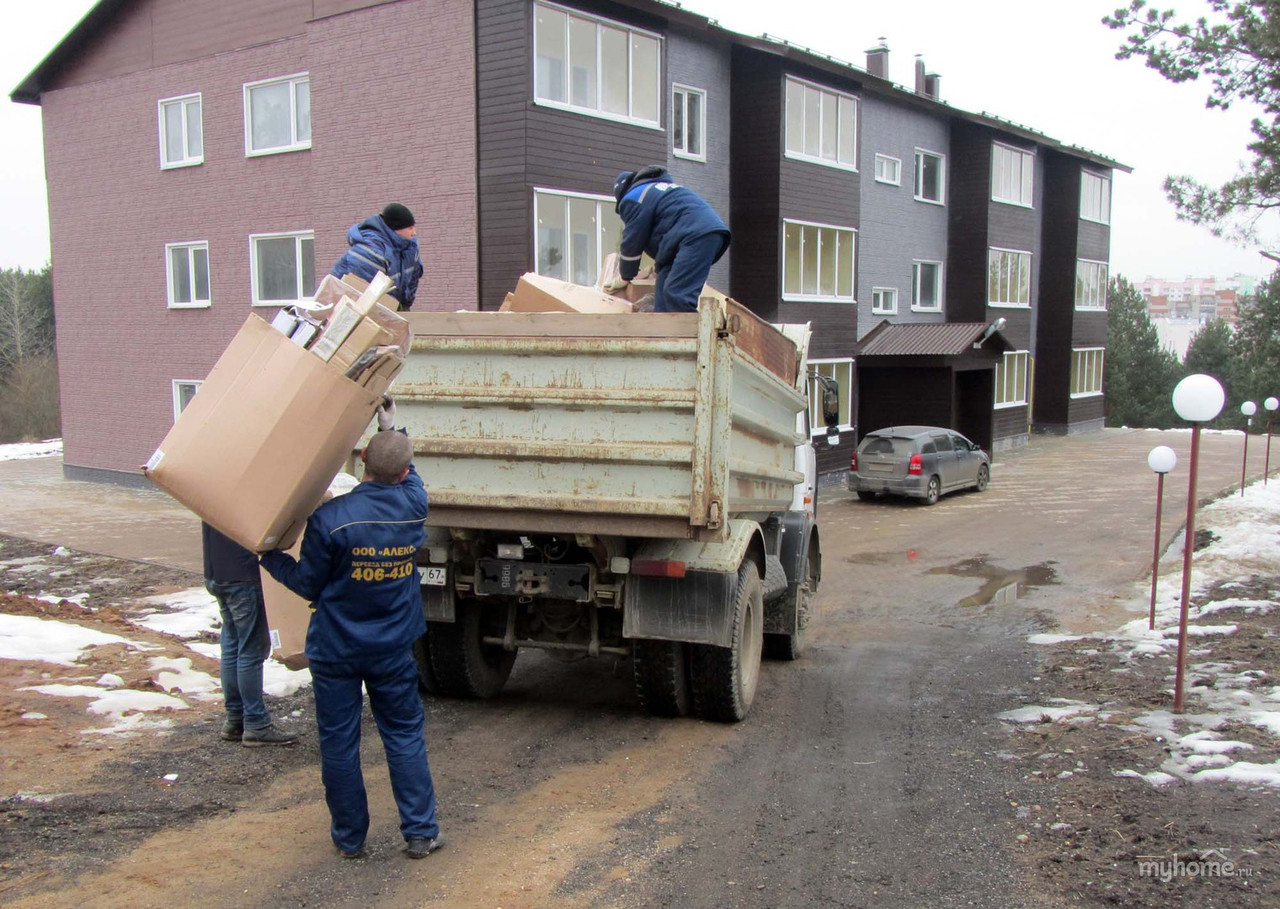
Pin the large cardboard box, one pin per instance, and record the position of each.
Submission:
(288, 616)
(254, 451)
(538, 293)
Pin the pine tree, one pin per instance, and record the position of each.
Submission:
(1213, 351)
(1139, 374)
(1258, 343)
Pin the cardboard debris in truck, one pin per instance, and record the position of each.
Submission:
(538, 293)
(273, 422)
(642, 285)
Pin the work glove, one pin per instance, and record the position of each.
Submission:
(386, 414)
(616, 285)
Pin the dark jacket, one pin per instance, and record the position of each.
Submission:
(225, 560)
(659, 215)
(357, 568)
(374, 247)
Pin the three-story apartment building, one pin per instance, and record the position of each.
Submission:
(205, 160)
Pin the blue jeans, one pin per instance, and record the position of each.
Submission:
(392, 683)
(680, 284)
(245, 645)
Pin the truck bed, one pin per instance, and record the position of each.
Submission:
(653, 425)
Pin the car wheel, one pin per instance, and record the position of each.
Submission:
(866, 495)
(933, 491)
(984, 477)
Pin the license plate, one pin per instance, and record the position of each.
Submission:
(433, 577)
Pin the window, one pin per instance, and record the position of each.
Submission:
(929, 176)
(277, 115)
(595, 66)
(822, 125)
(842, 372)
(1095, 197)
(888, 170)
(688, 122)
(926, 286)
(573, 234)
(1008, 277)
(884, 300)
(1012, 170)
(188, 274)
(183, 391)
(1011, 379)
(817, 262)
(283, 268)
(1091, 284)
(181, 132)
(1086, 371)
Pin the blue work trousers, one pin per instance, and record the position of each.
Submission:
(392, 683)
(245, 645)
(680, 284)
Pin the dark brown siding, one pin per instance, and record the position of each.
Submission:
(968, 211)
(523, 145)
(756, 139)
(1088, 410)
(900, 396)
(1057, 291)
(1010, 422)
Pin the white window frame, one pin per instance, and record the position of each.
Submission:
(889, 161)
(296, 144)
(191, 247)
(1090, 360)
(798, 153)
(680, 97)
(177, 385)
(604, 209)
(1094, 298)
(878, 308)
(915, 285)
(1007, 381)
(831, 368)
(1010, 259)
(298, 236)
(1003, 188)
(920, 155)
(184, 103)
(837, 297)
(598, 110)
(1095, 197)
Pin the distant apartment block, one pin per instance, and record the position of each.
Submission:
(1197, 299)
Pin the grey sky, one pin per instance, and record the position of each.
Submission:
(1048, 66)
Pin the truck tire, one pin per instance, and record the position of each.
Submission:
(466, 667)
(662, 677)
(724, 678)
(427, 683)
(791, 646)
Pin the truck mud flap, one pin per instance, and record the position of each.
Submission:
(697, 608)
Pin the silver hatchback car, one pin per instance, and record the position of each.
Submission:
(918, 461)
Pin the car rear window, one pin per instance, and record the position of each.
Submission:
(878, 446)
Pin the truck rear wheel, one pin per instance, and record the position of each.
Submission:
(791, 646)
(427, 683)
(724, 678)
(662, 678)
(465, 666)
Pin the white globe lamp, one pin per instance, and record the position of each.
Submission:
(1198, 398)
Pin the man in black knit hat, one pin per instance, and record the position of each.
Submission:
(387, 243)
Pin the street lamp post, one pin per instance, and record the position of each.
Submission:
(1270, 404)
(1197, 399)
(1248, 408)
(1162, 459)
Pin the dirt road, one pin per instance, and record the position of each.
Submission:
(873, 772)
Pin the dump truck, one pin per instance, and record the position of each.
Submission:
(634, 485)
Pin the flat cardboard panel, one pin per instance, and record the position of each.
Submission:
(288, 616)
(256, 448)
(537, 293)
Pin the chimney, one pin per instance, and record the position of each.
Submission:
(920, 77)
(933, 86)
(878, 60)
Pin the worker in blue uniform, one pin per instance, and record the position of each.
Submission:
(676, 227)
(357, 568)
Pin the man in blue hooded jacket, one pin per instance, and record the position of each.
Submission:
(676, 227)
(387, 243)
(357, 568)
